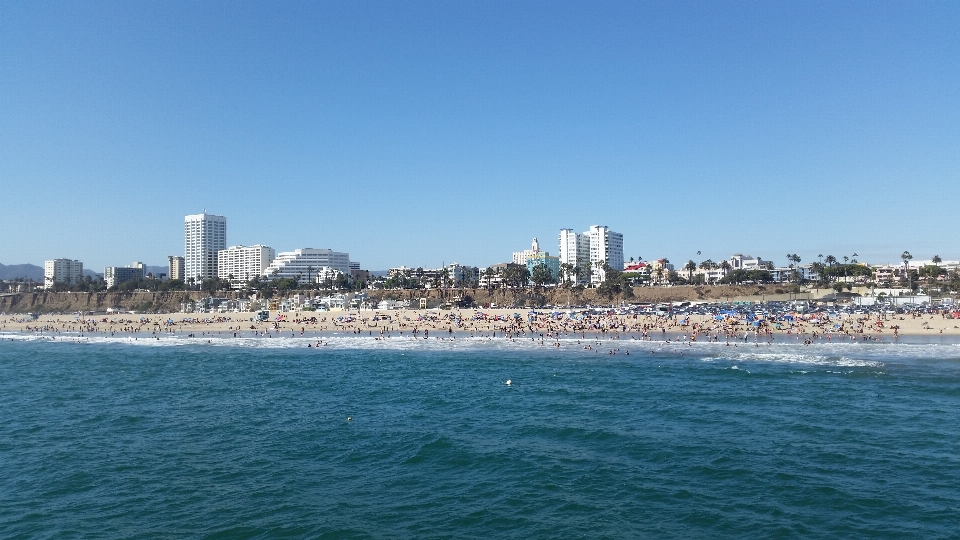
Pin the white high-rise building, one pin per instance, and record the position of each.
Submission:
(606, 246)
(520, 257)
(240, 264)
(204, 235)
(575, 251)
(303, 264)
(66, 271)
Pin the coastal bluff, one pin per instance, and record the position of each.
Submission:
(169, 302)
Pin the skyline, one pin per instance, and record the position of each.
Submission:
(421, 134)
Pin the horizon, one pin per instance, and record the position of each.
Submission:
(417, 135)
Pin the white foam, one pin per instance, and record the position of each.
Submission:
(842, 354)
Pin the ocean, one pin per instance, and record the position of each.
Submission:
(397, 438)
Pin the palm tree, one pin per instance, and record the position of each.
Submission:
(906, 256)
(853, 258)
(936, 260)
(845, 259)
(602, 267)
(830, 260)
(689, 267)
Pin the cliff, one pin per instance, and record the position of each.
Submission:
(169, 302)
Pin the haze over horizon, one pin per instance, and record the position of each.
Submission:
(422, 133)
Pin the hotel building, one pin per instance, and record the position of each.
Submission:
(303, 264)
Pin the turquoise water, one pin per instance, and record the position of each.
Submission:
(112, 439)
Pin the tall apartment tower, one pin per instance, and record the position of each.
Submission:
(240, 264)
(176, 267)
(605, 246)
(575, 251)
(204, 235)
(66, 271)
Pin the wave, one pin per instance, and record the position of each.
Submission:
(842, 354)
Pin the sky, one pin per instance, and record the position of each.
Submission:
(423, 133)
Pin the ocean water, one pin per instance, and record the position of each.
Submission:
(112, 438)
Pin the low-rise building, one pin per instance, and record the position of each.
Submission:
(493, 276)
(115, 275)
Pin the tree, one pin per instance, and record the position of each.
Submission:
(542, 275)
(515, 275)
(906, 256)
(566, 271)
(937, 260)
(830, 260)
(489, 273)
(690, 267)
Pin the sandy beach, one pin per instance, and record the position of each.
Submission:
(487, 323)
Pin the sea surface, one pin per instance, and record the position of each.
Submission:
(397, 438)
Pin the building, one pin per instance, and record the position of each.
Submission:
(804, 272)
(462, 276)
(520, 257)
(660, 270)
(493, 276)
(115, 275)
(606, 249)
(746, 262)
(66, 271)
(204, 235)
(240, 264)
(575, 251)
(303, 264)
(326, 274)
(176, 267)
(544, 258)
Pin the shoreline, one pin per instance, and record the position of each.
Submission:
(502, 323)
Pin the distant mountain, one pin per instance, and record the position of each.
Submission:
(34, 272)
(25, 271)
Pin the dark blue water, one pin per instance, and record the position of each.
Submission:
(109, 440)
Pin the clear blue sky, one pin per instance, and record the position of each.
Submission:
(416, 133)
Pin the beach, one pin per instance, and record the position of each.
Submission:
(503, 323)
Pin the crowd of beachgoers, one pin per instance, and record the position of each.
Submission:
(554, 328)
